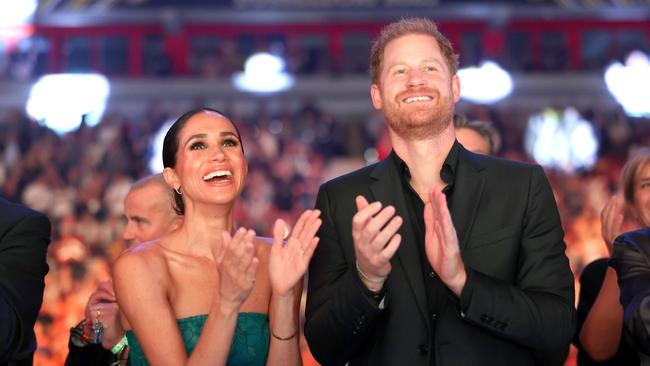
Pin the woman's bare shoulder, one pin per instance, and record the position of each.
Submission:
(147, 257)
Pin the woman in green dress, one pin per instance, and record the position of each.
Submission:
(207, 293)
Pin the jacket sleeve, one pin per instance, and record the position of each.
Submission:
(340, 312)
(23, 266)
(633, 271)
(537, 309)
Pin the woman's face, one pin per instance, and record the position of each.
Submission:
(210, 164)
(642, 195)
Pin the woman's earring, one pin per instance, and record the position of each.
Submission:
(178, 190)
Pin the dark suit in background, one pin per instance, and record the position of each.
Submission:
(517, 307)
(24, 237)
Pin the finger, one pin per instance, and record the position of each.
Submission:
(391, 247)
(360, 219)
(383, 237)
(279, 228)
(310, 232)
(309, 251)
(361, 202)
(237, 246)
(376, 223)
(248, 250)
(107, 286)
(448, 230)
(305, 235)
(101, 296)
(300, 224)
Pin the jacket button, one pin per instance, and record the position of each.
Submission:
(434, 316)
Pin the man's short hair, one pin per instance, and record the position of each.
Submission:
(485, 129)
(405, 27)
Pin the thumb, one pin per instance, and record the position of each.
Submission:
(279, 231)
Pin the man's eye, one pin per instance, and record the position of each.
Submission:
(429, 69)
(400, 71)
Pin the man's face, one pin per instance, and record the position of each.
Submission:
(415, 91)
(472, 141)
(149, 213)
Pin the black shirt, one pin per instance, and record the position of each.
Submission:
(435, 289)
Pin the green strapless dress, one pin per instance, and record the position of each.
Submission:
(250, 344)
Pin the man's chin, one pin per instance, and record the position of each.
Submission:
(421, 128)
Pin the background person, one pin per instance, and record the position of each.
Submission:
(149, 213)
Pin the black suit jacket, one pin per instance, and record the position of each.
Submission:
(631, 260)
(24, 237)
(516, 307)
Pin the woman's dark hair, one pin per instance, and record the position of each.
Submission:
(170, 146)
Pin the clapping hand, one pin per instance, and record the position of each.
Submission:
(374, 231)
(237, 266)
(288, 262)
(611, 221)
(441, 242)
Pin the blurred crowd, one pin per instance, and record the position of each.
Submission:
(80, 179)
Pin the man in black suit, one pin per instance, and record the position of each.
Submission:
(24, 237)
(436, 255)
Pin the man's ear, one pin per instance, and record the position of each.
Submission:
(375, 95)
(171, 178)
(455, 87)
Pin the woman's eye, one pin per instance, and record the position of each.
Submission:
(230, 143)
(400, 71)
(197, 146)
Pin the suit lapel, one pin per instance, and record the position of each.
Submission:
(469, 183)
(387, 189)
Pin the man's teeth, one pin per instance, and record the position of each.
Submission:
(218, 173)
(417, 99)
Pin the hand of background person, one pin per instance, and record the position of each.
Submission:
(611, 220)
(441, 243)
(289, 261)
(374, 231)
(237, 267)
(102, 306)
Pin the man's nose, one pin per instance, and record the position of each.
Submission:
(128, 233)
(415, 78)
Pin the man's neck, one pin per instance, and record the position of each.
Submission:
(425, 159)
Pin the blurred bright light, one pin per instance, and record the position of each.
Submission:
(487, 84)
(17, 12)
(629, 84)
(562, 140)
(263, 73)
(60, 101)
(155, 160)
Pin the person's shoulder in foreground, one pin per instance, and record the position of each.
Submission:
(24, 237)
